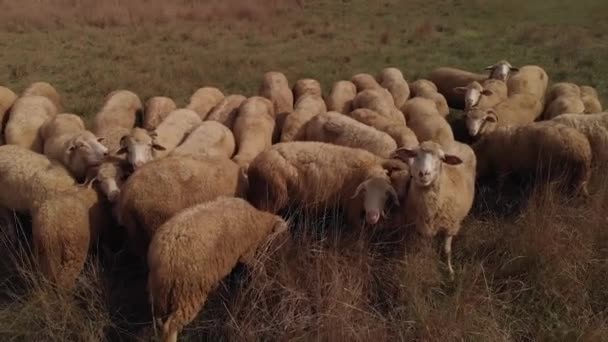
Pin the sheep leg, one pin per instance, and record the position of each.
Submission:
(447, 248)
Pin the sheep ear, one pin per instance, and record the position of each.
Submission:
(514, 69)
(360, 188)
(158, 147)
(487, 92)
(121, 150)
(71, 148)
(460, 90)
(123, 141)
(404, 153)
(491, 116)
(489, 67)
(101, 139)
(153, 134)
(451, 159)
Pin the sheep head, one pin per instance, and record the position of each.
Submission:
(139, 147)
(472, 94)
(481, 121)
(428, 159)
(375, 190)
(500, 70)
(88, 148)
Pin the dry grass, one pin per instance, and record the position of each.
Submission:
(530, 266)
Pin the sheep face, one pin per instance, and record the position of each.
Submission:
(87, 147)
(139, 146)
(500, 70)
(376, 191)
(480, 121)
(428, 159)
(472, 94)
(110, 177)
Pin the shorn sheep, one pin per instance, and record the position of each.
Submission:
(447, 79)
(314, 175)
(204, 99)
(164, 187)
(441, 192)
(275, 87)
(392, 79)
(594, 127)
(46, 90)
(210, 139)
(7, 98)
(253, 129)
(121, 109)
(156, 110)
(341, 97)
(195, 250)
(428, 90)
(227, 110)
(426, 122)
(545, 149)
(307, 107)
(339, 129)
(403, 135)
(27, 116)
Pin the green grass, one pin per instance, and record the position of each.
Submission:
(536, 273)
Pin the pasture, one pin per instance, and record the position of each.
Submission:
(530, 264)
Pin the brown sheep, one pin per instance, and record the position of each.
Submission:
(227, 110)
(428, 90)
(203, 100)
(423, 118)
(403, 135)
(591, 100)
(392, 79)
(120, 109)
(306, 108)
(27, 116)
(253, 129)
(341, 97)
(447, 79)
(46, 90)
(275, 87)
(306, 86)
(7, 98)
(380, 101)
(482, 95)
(210, 139)
(157, 108)
(364, 81)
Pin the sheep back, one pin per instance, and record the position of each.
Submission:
(341, 97)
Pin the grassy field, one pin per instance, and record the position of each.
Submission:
(531, 267)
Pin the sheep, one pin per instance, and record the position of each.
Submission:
(253, 129)
(110, 176)
(446, 79)
(306, 86)
(423, 118)
(210, 139)
(315, 175)
(590, 99)
(64, 228)
(164, 187)
(27, 115)
(156, 109)
(501, 70)
(364, 81)
(227, 110)
(486, 94)
(439, 196)
(28, 178)
(548, 148)
(519, 109)
(594, 127)
(7, 98)
(564, 104)
(530, 79)
(392, 79)
(339, 129)
(428, 90)
(142, 146)
(380, 101)
(307, 107)
(120, 109)
(204, 99)
(403, 135)
(196, 249)
(341, 97)
(46, 90)
(275, 87)
(562, 89)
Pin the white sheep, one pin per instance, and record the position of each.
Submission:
(227, 110)
(339, 129)
(164, 187)
(594, 127)
(315, 176)
(530, 79)
(403, 135)
(446, 79)
(204, 99)
(486, 94)
(156, 109)
(365, 81)
(307, 107)
(210, 139)
(7, 98)
(46, 90)
(253, 129)
(120, 109)
(392, 79)
(275, 87)
(341, 97)
(423, 118)
(501, 70)
(441, 192)
(380, 101)
(160, 142)
(306, 86)
(428, 90)
(67, 141)
(564, 104)
(590, 99)
(27, 116)
(195, 250)
(562, 89)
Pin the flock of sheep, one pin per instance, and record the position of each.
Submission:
(198, 189)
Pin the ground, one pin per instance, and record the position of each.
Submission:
(532, 271)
